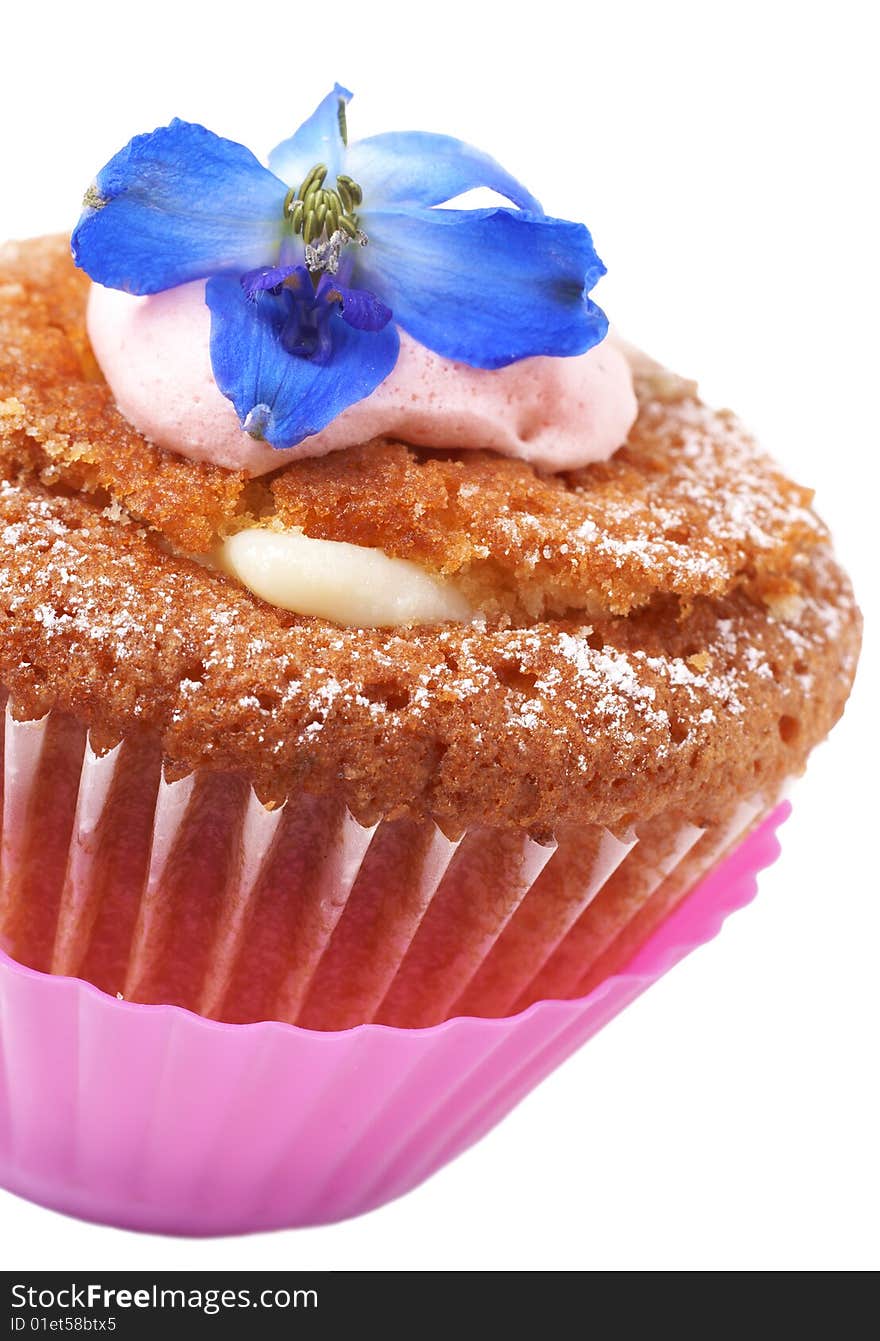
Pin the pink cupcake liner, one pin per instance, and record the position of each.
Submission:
(154, 1118)
(192, 893)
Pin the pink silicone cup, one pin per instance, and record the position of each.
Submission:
(152, 1118)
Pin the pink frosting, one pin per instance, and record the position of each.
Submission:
(556, 413)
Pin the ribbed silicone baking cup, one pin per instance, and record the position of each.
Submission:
(386, 994)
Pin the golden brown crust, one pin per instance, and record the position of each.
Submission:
(735, 658)
(57, 416)
(549, 724)
(688, 507)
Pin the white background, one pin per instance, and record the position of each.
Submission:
(724, 156)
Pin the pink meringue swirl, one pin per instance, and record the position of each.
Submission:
(557, 413)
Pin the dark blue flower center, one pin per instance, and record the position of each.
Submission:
(309, 296)
(307, 307)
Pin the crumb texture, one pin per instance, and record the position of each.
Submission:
(560, 721)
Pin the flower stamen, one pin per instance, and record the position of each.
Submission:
(324, 217)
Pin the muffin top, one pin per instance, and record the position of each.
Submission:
(666, 629)
(687, 507)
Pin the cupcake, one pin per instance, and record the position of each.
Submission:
(384, 643)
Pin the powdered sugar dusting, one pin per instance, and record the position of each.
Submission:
(97, 610)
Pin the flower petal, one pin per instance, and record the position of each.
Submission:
(484, 287)
(358, 307)
(417, 168)
(175, 205)
(279, 396)
(318, 140)
(267, 277)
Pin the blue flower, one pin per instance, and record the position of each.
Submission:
(314, 262)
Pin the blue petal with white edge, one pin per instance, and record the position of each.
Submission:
(178, 204)
(318, 140)
(278, 396)
(485, 287)
(417, 168)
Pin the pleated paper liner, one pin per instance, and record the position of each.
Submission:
(191, 893)
(154, 1118)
